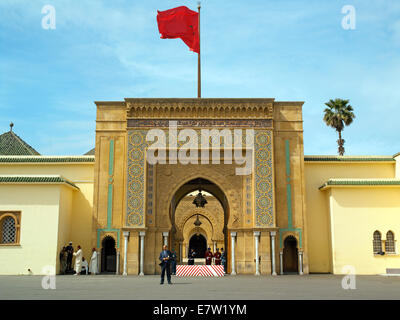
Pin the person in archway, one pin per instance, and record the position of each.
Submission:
(208, 257)
(165, 258)
(217, 256)
(173, 262)
(223, 258)
(191, 256)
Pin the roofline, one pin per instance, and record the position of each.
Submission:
(333, 158)
(359, 182)
(47, 159)
(193, 100)
(36, 179)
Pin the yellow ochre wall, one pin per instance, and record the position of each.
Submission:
(72, 211)
(351, 217)
(356, 212)
(39, 206)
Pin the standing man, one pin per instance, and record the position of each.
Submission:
(63, 260)
(93, 262)
(78, 261)
(70, 252)
(191, 256)
(208, 257)
(223, 258)
(217, 257)
(173, 262)
(165, 257)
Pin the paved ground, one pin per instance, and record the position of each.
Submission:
(230, 287)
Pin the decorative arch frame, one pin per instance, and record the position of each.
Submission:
(287, 234)
(108, 235)
(216, 234)
(212, 176)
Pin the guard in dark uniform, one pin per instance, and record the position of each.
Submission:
(223, 258)
(191, 256)
(173, 262)
(217, 257)
(208, 257)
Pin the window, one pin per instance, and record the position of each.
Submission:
(377, 243)
(9, 228)
(389, 243)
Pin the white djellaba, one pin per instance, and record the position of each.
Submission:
(93, 263)
(78, 261)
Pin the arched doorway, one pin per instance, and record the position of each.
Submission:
(108, 255)
(199, 244)
(290, 255)
(216, 215)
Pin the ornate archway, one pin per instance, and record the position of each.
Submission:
(213, 216)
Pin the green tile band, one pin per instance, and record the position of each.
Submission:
(109, 197)
(111, 158)
(289, 200)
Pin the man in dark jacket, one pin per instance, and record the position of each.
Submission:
(173, 262)
(70, 251)
(165, 257)
(191, 256)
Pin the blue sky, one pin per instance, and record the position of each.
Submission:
(282, 49)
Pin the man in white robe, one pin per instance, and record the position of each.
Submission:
(78, 261)
(93, 263)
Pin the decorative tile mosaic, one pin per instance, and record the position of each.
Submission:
(263, 179)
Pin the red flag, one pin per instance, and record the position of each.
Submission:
(180, 22)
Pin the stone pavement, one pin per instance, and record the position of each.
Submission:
(110, 287)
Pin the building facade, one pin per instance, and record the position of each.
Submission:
(289, 213)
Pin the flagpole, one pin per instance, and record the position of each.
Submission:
(198, 62)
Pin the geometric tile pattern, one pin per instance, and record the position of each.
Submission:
(263, 178)
(137, 145)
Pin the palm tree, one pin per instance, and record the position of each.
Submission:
(338, 115)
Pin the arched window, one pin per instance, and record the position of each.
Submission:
(377, 243)
(389, 243)
(9, 228)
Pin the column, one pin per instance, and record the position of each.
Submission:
(215, 246)
(233, 236)
(256, 241)
(281, 261)
(165, 236)
(117, 264)
(181, 252)
(300, 262)
(141, 235)
(126, 236)
(273, 234)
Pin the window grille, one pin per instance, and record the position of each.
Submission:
(389, 244)
(8, 230)
(377, 243)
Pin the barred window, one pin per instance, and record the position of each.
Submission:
(389, 244)
(9, 232)
(9, 228)
(377, 243)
